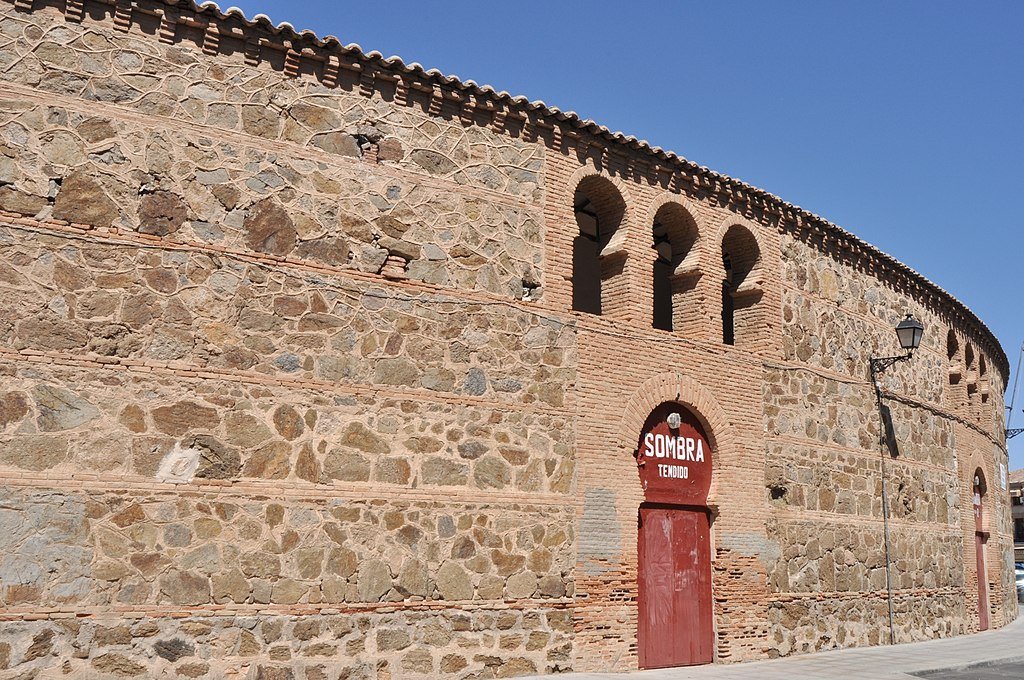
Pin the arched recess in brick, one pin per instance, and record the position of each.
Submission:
(693, 396)
(975, 467)
(983, 383)
(598, 250)
(971, 372)
(979, 493)
(676, 267)
(957, 390)
(953, 357)
(742, 286)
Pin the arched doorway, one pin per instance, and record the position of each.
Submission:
(674, 606)
(980, 540)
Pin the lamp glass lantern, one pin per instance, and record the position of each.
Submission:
(910, 331)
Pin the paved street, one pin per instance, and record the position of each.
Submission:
(992, 655)
(999, 671)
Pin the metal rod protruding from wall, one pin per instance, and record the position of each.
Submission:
(1012, 432)
(878, 365)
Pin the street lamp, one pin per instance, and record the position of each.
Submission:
(909, 331)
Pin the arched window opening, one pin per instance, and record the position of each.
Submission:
(599, 210)
(972, 377)
(952, 353)
(728, 307)
(982, 379)
(978, 492)
(740, 290)
(662, 280)
(675, 268)
(980, 489)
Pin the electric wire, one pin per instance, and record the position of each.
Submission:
(1013, 394)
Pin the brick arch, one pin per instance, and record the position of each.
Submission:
(746, 321)
(976, 463)
(689, 393)
(685, 203)
(620, 238)
(690, 207)
(756, 274)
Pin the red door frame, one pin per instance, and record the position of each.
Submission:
(979, 547)
(980, 539)
(675, 626)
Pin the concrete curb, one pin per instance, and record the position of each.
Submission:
(905, 661)
(1019, 658)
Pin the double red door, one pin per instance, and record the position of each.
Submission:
(674, 626)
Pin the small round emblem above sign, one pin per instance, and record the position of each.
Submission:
(674, 457)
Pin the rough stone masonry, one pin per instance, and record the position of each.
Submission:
(294, 381)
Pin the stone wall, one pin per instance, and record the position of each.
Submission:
(825, 456)
(96, 131)
(151, 555)
(809, 624)
(427, 643)
(274, 396)
(194, 549)
(219, 320)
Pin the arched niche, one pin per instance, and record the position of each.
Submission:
(979, 490)
(676, 268)
(598, 258)
(741, 286)
(953, 358)
(971, 374)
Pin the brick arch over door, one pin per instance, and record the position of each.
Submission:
(976, 463)
(689, 393)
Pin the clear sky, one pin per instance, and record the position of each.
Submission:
(901, 121)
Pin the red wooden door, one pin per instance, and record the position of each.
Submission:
(674, 626)
(979, 547)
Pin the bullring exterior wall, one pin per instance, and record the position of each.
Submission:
(292, 385)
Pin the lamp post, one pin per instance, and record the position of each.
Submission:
(909, 331)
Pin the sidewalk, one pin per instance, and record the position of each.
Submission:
(865, 663)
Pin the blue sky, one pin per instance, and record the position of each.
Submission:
(900, 121)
